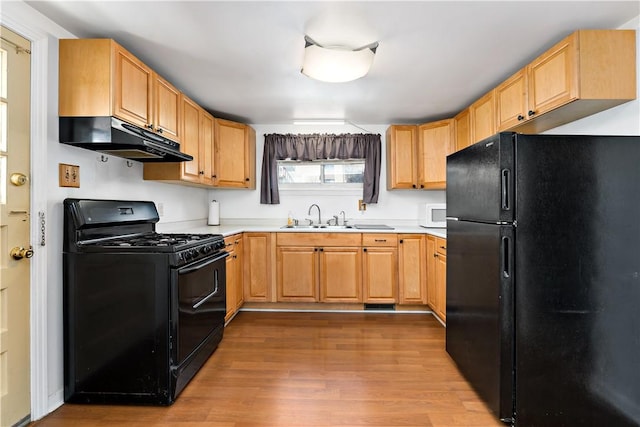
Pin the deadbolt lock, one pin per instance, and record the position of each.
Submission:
(19, 253)
(18, 179)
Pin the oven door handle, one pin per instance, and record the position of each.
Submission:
(202, 264)
(211, 295)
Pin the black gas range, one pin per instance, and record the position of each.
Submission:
(143, 310)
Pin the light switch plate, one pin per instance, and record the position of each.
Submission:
(69, 175)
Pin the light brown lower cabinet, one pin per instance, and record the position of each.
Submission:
(319, 274)
(234, 267)
(297, 273)
(318, 267)
(380, 268)
(340, 274)
(412, 269)
(437, 276)
(258, 266)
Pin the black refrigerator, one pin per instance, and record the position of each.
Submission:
(543, 277)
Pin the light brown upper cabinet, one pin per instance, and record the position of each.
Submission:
(235, 154)
(586, 72)
(435, 143)
(483, 117)
(197, 141)
(462, 125)
(511, 101)
(417, 155)
(98, 77)
(402, 166)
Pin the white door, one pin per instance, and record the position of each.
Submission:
(15, 248)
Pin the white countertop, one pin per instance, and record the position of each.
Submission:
(200, 227)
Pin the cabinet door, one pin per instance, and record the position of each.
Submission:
(233, 155)
(297, 274)
(402, 165)
(412, 271)
(483, 121)
(380, 274)
(511, 101)
(232, 278)
(133, 83)
(206, 148)
(431, 272)
(441, 286)
(435, 142)
(167, 114)
(553, 77)
(340, 274)
(191, 140)
(239, 269)
(257, 266)
(462, 124)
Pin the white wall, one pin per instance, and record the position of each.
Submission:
(396, 205)
(115, 180)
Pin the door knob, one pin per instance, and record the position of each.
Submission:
(18, 179)
(19, 253)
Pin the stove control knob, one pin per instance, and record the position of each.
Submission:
(206, 249)
(194, 253)
(186, 254)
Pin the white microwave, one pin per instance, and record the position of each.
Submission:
(434, 215)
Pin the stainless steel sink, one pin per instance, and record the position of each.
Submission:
(318, 227)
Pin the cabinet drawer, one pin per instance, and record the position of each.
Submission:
(441, 245)
(381, 239)
(318, 239)
(231, 241)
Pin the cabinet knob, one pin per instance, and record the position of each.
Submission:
(414, 186)
(149, 126)
(214, 176)
(401, 240)
(321, 249)
(520, 117)
(364, 249)
(201, 172)
(159, 130)
(435, 255)
(531, 113)
(247, 179)
(315, 249)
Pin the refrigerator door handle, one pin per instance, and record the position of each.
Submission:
(505, 250)
(505, 189)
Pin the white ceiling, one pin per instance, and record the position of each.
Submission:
(241, 59)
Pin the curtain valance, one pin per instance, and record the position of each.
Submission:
(308, 147)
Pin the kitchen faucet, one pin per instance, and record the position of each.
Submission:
(344, 218)
(309, 213)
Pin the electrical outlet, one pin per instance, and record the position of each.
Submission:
(362, 206)
(69, 175)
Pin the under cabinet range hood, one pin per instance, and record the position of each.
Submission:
(110, 135)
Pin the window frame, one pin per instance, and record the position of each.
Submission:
(334, 187)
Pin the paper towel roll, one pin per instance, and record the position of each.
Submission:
(214, 213)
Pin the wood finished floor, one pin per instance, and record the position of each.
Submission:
(313, 369)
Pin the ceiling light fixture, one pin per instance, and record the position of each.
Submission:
(336, 64)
